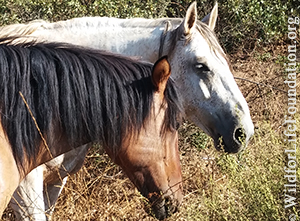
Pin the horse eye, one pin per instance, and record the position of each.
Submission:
(202, 67)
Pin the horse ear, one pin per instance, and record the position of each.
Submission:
(211, 18)
(190, 18)
(160, 74)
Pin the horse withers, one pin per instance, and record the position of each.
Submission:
(57, 96)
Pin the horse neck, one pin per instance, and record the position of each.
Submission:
(131, 37)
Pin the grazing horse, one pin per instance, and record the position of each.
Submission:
(211, 97)
(56, 96)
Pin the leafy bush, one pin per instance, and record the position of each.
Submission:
(241, 23)
(55, 10)
(255, 22)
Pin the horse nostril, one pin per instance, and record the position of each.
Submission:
(168, 201)
(169, 207)
(240, 135)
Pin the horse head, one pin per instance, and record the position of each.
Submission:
(200, 65)
(153, 164)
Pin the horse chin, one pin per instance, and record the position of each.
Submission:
(162, 207)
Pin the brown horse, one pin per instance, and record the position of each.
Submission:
(57, 96)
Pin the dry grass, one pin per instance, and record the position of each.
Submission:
(266, 103)
(217, 186)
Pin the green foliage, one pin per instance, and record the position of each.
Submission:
(193, 136)
(240, 23)
(199, 139)
(255, 22)
(254, 181)
(54, 10)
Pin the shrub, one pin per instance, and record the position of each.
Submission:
(241, 23)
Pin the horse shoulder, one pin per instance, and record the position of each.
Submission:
(9, 173)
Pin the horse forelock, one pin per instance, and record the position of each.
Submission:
(92, 95)
(212, 40)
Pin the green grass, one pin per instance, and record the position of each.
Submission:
(247, 186)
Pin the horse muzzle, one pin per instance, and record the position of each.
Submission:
(233, 142)
(162, 207)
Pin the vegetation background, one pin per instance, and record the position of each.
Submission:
(217, 186)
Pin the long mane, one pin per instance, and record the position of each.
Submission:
(89, 94)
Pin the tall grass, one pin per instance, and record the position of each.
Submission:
(248, 186)
(217, 186)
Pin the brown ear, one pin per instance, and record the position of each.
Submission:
(190, 18)
(211, 18)
(160, 74)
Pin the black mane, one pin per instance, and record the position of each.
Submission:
(89, 94)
